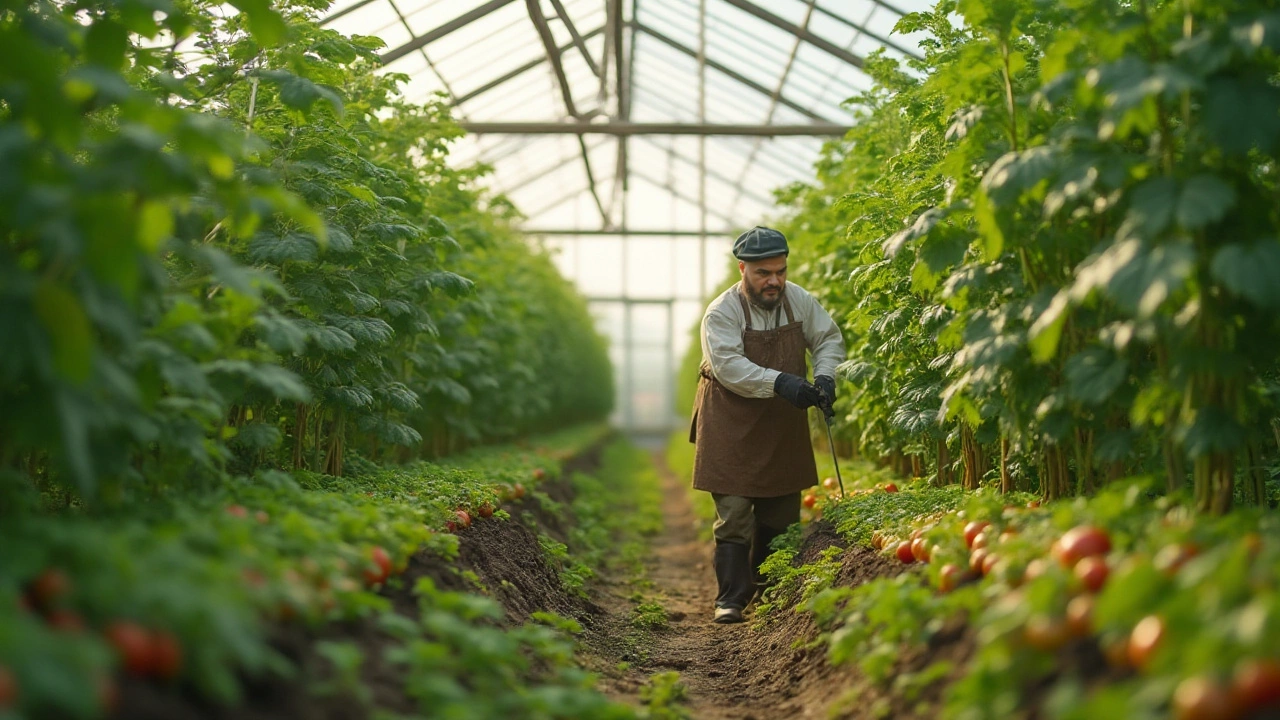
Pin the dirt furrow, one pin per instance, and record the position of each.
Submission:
(731, 672)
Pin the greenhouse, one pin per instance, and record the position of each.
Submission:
(639, 359)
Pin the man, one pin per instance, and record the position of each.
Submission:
(750, 424)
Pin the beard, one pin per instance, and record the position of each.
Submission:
(762, 300)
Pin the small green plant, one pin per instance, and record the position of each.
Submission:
(664, 696)
(649, 616)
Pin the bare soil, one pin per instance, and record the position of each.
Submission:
(748, 671)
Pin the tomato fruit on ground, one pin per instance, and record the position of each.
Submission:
(1046, 633)
(1202, 698)
(166, 655)
(809, 500)
(1080, 615)
(830, 483)
(1256, 685)
(382, 560)
(904, 553)
(972, 529)
(1092, 572)
(485, 510)
(920, 549)
(8, 688)
(464, 519)
(976, 559)
(237, 511)
(132, 644)
(890, 487)
(1081, 542)
(1144, 639)
(949, 577)
(47, 588)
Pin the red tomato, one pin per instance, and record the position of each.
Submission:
(451, 526)
(485, 510)
(1202, 698)
(262, 517)
(8, 689)
(830, 483)
(166, 655)
(1256, 685)
(1144, 639)
(132, 643)
(1170, 558)
(1081, 542)
(65, 620)
(517, 491)
(904, 553)
(1035, 569)
(382, 561)
(1045, 633)
(989, 562)
(48, 588)
(539, 474)
(1080, 615)
(809, 500)
(949, 578)
(464, 520)
(890, 487)
(1092, 572)
(920, 549)
(976, 558)
(1033, 504)
(972, 529)
(980, 540)
(237, 511)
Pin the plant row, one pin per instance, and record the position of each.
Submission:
(227, 243)
(1052, 243)
(1123, 605)
(190, 595)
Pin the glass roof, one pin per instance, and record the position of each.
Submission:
(788, 63)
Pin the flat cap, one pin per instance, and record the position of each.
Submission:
(759, 243)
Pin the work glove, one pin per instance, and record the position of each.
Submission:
(796, 391)
(827, 385)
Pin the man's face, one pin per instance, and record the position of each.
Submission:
(764, 280)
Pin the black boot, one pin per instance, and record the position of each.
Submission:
(733, 573)
(759, 551)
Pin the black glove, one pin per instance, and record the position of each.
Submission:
(827, 385)
(796, 391)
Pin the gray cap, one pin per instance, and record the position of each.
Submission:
(759, 243)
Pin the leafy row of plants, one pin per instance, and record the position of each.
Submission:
(188, 593)
(1052, 244)
(1123, 605)
(229, 244)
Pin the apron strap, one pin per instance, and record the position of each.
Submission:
(746, 310)
(787, 305)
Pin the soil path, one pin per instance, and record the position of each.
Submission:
(731, 672)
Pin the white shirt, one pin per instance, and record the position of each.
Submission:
(724, 323)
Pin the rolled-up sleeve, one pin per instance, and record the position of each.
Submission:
(722, 348)
(826, 343)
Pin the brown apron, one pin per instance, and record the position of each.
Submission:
(754, 447)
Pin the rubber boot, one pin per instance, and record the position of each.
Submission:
(759, 551)
(734, 576)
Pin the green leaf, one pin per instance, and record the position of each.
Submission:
(991, 237)
(105, 44)
(1242, 113)
(1136, 276)
(70, 334)
(1212, 430)
(1151, 206)
(1250, 271)
(264, 23)
(1093, 374)
(1046, 331)
(155, 225)
(1205, 199)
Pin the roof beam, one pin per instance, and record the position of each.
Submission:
(624, 231)
(578, 40)
(676, 45)
(710, 173)
(498, 81)
(435, 34)
(625, 129)
(814, 40)
(863, 29)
